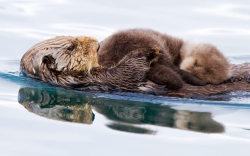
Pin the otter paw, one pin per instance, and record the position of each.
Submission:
(191, 79)
(164, 75)
(156, 52)
(199, 82)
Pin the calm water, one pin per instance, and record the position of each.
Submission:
(39, 119)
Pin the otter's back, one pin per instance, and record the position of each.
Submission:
(116, 46)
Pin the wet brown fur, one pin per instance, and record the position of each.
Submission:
(44, 62)
(165, 71)
(72, 62)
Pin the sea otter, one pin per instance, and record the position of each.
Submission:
(173, 55)
(72, 62)
(56, 61)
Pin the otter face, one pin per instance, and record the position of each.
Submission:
(64, 54)
(207, 63)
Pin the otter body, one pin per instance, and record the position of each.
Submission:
(165, 71)
(173, 55)
(71, 62)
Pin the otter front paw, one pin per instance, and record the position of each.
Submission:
(155, 54)
(190, 78)
(196, 81)
(165, 76)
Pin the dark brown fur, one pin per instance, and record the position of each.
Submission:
(165, 71)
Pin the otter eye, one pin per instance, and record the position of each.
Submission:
(71, 48)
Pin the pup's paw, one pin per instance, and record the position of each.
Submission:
(155, 54)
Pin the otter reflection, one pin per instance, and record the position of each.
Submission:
(126, 116)
(56, 104)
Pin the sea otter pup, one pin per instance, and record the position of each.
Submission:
(204, 61)
(166, 70)
(72, 62)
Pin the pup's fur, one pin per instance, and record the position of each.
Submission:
(205, 61)
(175, 53)
(165, 71)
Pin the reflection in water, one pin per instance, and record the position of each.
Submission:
(126, 116)
(56, 104)
(145, 113)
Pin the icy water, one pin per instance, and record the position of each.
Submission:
(42, 120)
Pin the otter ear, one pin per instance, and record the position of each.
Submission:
(49, 61)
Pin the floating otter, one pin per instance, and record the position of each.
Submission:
(202, 60)
(164, 71)
(72, 62)
(56, 61)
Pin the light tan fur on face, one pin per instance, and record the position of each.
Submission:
(89, 47)
(82, 56)
(204, 61)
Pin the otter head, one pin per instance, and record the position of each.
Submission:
(63, 54)
(205, 62)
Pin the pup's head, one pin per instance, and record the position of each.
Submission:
(205, 62)
(63, 54)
